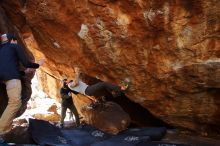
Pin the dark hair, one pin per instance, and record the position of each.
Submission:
(64, 80)
(11, 37)
(64, 83)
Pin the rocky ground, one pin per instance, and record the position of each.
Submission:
(169, 49)
(47, 109)
(189, 138)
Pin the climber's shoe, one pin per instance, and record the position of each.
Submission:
(125, 84)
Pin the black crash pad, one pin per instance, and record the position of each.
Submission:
(45, 133)
(85, 135)
(123, 140)
(155, 133)
(159, 144)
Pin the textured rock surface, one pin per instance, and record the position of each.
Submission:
(19, 135)
(169, 49)
(108, 117)
(50, 115)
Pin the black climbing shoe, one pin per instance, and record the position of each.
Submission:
(61, 126)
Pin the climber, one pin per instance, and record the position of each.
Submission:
(67, 102)
(10, 55)
(94, 90)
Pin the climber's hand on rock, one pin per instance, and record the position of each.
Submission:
(41, 62)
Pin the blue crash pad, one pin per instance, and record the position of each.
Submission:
(45, 133)
(85, 135)
(155, 133)
(123, 140)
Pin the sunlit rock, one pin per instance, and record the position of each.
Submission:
(167, 48)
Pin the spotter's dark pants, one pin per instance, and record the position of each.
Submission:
(73, 110)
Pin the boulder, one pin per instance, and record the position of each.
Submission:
(168, 49)
(107, 116)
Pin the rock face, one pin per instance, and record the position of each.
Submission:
(108, 117)
(169, 49)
